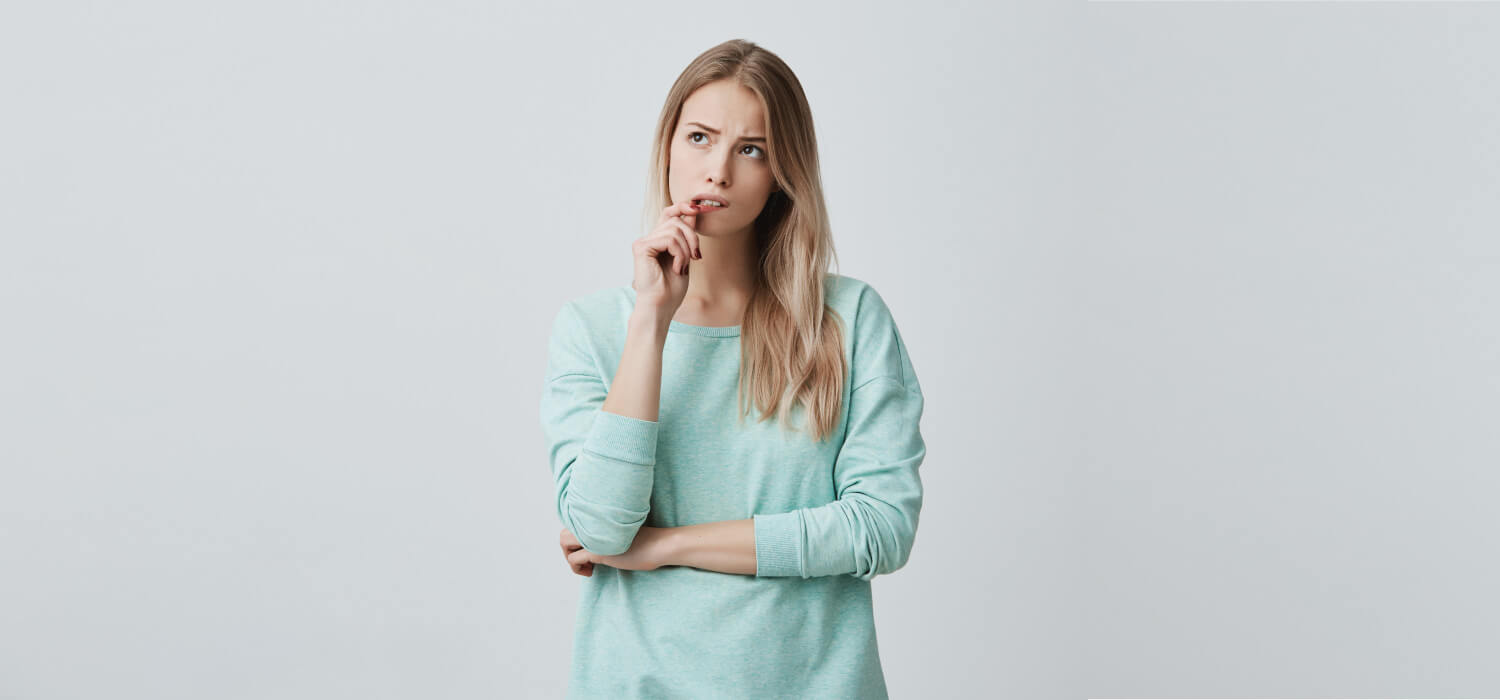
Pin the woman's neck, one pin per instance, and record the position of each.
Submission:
(720, 284)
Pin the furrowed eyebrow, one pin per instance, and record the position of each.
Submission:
(708, 128)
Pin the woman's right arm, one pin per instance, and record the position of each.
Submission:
(602, 444)
(603, 463)
(636, 389)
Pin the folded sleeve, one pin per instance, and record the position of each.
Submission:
(870, 528)
(603, 464)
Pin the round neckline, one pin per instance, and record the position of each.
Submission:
(710, 331)
(680, 327)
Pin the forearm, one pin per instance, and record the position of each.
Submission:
(604, 440)
(636, 389)
(727, 546)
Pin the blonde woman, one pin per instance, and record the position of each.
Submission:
(728, 556)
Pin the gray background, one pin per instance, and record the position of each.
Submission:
(1202, 296)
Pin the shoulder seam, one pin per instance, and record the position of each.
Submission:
(560, 375)
(577, 334)
(891, 377)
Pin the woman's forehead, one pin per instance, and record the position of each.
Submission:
(722, 106)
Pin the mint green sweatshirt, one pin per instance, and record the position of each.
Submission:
(829, 516)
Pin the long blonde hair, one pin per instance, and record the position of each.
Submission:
(791, 342)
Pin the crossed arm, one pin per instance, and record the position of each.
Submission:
(727, 546)
(602, 448)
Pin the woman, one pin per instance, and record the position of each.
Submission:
(725, 557)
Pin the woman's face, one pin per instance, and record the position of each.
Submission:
(719, 149)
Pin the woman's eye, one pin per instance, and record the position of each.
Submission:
(759, 152)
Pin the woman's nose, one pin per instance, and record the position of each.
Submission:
(718, 169)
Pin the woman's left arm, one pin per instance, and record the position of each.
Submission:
(727, 546)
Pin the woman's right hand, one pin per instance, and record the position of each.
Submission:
(661, 259)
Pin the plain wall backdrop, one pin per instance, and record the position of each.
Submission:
(1203, 297)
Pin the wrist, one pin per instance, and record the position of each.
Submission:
(669, 544)
(649, 320)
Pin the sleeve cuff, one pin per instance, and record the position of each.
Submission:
(778, 544)
(623, 438)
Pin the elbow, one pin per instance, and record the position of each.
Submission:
(601, 528)
(894, 555)
(887, 536)
(609, 545)
(900, 553)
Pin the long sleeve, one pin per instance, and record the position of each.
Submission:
(603, 463)
(843, 508)
(869, 530)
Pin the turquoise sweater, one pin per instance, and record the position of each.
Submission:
(828, 516)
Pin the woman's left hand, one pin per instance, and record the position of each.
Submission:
(646, 552)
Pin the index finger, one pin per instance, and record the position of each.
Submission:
(684, 208)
